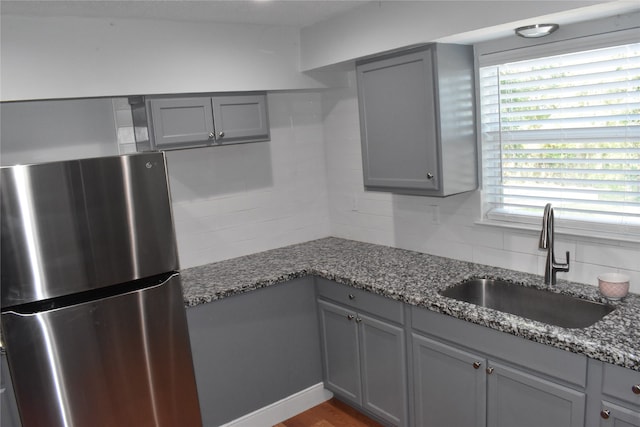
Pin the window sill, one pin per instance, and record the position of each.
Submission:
(590, 235)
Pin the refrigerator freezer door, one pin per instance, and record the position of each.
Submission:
(82, 224)
(119, 361)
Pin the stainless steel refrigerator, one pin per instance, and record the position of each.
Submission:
(93, 316)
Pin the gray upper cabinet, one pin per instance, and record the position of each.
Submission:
(175, 122)
(181, 121)
(417, 121)
(240, 118)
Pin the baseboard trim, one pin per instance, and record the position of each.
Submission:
(283, 409)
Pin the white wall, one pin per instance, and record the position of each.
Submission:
(35, 132)
(66, 57)
(380, 26)
(442, 226)
(235, 200)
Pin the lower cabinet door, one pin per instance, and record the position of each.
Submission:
(516, 398)
(449, 385)
(384, 372)
(341, 358)
(613, 415)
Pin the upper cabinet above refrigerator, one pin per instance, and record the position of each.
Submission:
(176, 122)
(417, 121)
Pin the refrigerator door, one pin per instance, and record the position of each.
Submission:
(76, 225)
(124, 360)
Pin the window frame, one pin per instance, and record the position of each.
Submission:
(579, 37)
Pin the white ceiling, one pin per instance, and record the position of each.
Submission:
(272, 12)
(294, 13)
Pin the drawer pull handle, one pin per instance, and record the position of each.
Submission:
(350, 316)
(605, 414)
(636, 389)
(476, 365)
(352, 296)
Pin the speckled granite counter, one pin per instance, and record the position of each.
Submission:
(416, 278)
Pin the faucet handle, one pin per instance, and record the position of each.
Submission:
(565, 266)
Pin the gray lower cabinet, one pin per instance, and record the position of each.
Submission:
(449, 385)
(417, 121)
(518, 398)
(612, 415)
(619, 402)
(253, 349)
(491, 378)
(176, 122)
(461, 388)
(340, 351)
(364, 354)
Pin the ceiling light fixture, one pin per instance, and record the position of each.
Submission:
(535, 31)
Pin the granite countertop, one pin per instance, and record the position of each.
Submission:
(415, 278)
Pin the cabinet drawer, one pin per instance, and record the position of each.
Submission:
(619, 382)
(361, 300)
(550, 361)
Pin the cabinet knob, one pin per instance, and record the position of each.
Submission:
(352, 296)
(489, 370)
(636, 389)
(350, 316)
(358, 319)
(221, 134)
(605, 413)
(211, 135)
(476, 365)
(429, 175)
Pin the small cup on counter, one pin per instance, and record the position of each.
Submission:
(614, 286)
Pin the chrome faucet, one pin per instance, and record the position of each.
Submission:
(546, 242)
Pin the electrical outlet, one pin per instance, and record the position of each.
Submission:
(435, 214)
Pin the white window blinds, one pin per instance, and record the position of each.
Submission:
(564, 130)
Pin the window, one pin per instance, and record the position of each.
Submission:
(564, 130)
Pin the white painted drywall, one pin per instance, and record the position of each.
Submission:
(46, 131)
(228, 201)
(69, 57)
(381, 26)
(235, 200)
(442, 226)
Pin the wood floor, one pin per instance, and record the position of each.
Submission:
(331, 413)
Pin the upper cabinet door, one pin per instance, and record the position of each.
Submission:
(397, 121)
(413, 138)
(180, 121)
(240, 118)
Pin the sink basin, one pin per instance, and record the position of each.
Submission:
(532, 303)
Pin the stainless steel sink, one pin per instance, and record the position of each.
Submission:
(532, 303)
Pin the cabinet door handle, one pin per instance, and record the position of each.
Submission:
(350, 316)
(211, 135)
(490, 370)
(476, 365)
(352, 296)
(429, 175)
(636, 389)
(358, 319)
(605, 413)
(221, 134)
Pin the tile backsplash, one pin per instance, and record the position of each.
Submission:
(306, 183)
(443, 226)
